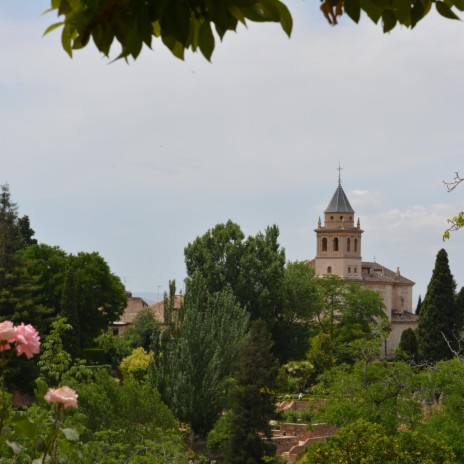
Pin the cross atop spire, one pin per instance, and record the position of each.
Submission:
(339, 169)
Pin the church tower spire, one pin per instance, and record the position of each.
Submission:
(339, 240)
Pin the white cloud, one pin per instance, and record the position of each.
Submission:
(412, 220)
(365, 199)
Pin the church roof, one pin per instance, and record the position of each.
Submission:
(339, 202)
(375, 272)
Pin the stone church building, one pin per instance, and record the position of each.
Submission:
(339, 245)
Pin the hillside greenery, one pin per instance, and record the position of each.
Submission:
(251, 328)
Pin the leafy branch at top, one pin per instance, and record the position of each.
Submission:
(189, 24)
(389, 12)
(180, 24)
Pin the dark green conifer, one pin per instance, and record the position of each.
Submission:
(253, 400)
(460, 311)
(17, 288)
(408, 345)
(438, 319)
(419, 304)
(27, 233)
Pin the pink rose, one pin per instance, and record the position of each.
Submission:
(63, 395)
(27, 340)
(7, 331)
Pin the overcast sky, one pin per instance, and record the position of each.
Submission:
(135, 161)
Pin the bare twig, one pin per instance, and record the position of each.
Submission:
(451, 185)
(460, 340)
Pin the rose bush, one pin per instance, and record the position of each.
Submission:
(25, 338)
(20, 431)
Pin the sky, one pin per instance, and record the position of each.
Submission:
(137, 160)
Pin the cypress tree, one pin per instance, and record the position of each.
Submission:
(253, 400)
(408, 345)
(438, 313)
(419, 304)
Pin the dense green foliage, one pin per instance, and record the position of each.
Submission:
(299, 294)
(376, 391)
(253, 269)
(144, 330)
(108, 423)
(189, 25)
(407, 349)
(446, 382)
(18, 290)
(438, 321)
(80, 287)
(219, 436)
(135, 366)
(363, 442)
(194, 368)
(253, 400)
(346, 312)
(48, 265)
(320, 354)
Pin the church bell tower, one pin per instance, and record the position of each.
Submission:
(339, 240)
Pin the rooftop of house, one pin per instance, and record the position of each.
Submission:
(134, 305)
(158, 308)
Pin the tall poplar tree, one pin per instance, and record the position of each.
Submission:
(438, 319)
(194, 368)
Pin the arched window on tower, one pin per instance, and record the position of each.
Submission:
(329, 270)
(335, 244)
(324, 244)
(348, 244)
(355, 245)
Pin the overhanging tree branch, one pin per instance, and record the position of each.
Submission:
(457, 222)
